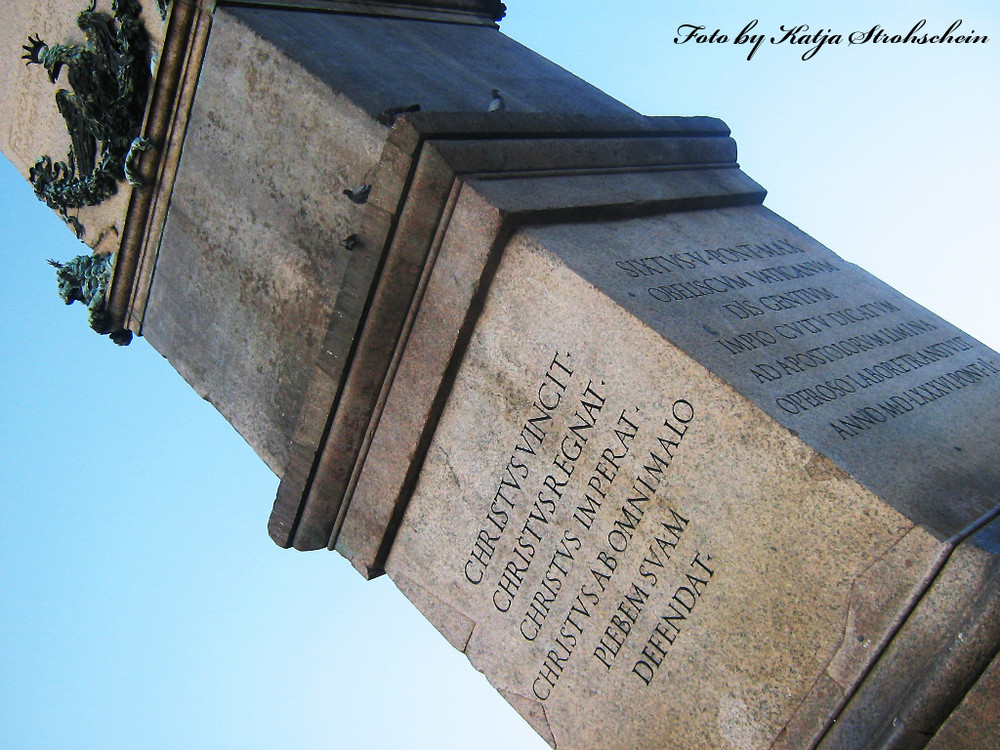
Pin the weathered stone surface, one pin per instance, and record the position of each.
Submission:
(248, 289)
(654, 552)
(937, 656)
(380, 63)
(251, 261)
(518, 524)
(415, 330)
(973, 723)
(863, 374)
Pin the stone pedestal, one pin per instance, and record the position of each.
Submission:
(670, 472)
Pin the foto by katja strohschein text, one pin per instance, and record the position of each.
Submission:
(814, 41)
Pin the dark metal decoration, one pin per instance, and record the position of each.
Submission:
(85, 279)
(109, 76)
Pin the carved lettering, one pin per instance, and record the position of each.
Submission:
(871, 415)
(549, 396)
(675, 616)
(542, 509)
(624, 523)
(544, 598)
(659, 264)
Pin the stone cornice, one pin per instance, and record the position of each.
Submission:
(166, 121)
(349, 491)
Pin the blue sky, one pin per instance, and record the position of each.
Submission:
(143, 604)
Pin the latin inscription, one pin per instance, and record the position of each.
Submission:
(620, 514)
(805, 340)
(582, 551)
(676, 615)
(549, 396)
(591, 567)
